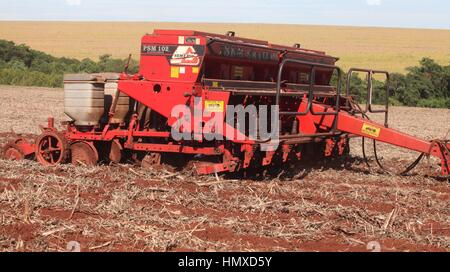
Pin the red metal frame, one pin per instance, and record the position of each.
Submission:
(178, 67)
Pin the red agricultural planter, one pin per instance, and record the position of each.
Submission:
(137, 117)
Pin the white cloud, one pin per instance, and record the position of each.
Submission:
(73, 2)
(374, 2)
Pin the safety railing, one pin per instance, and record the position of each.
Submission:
(369, 105)
(309, 109)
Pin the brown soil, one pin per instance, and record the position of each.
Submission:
(126, 208)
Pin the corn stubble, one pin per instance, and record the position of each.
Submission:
(121, 207)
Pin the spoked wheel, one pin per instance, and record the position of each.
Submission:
(83, 153)
(12, 152)
(51, 148)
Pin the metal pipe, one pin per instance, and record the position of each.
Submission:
(112, 109)
(324, 134)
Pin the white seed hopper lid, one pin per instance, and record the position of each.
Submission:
(97, 77)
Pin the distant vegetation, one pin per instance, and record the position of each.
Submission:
(426, 85)
(21, 65)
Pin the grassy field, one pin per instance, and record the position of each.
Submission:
(380, 48)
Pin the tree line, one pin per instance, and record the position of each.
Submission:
(425, 85)
(21, 65)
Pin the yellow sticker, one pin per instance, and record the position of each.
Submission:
(174, 72)
(215, 84)
(195, 70)
(214, 106)
(371, 130)
(238, 71)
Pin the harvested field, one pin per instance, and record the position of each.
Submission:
(325, 207)
(356, 46)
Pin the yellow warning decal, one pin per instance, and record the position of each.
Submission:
(195, 70)
(238, 71)
(214, 106)
(174, 72)
(371, 130)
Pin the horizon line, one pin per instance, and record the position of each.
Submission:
(218, 23)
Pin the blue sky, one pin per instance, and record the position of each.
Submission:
(388, 13)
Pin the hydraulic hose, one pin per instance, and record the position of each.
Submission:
(408, 169)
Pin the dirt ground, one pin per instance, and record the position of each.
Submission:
(326, 207)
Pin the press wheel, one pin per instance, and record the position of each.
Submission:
(115, 153)
(151, 159)
(83, 153)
